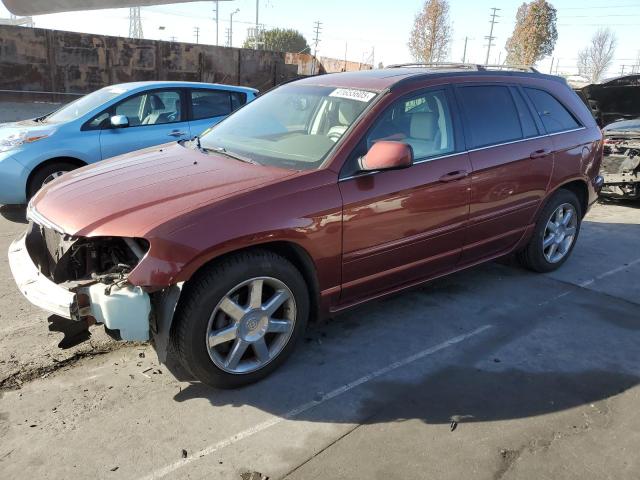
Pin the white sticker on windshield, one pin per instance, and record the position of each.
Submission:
(353, 94)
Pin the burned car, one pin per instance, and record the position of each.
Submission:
(615, 104)
(621, 161)
(613, 100)
(320, 195)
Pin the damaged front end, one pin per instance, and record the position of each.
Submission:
(83, 279)
(621, 164)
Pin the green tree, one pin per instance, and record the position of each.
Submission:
(431, 34)
(280, 40)
(534, 35)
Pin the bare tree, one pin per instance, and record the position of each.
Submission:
(594, 60)
(534, 35)
(431, 34)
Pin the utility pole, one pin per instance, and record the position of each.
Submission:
(231, 26)
(551, 68)
(173, 39)
(255, 43)
(491, 38)
(196, 32)
(345, 57)
(317, 28)
(217, 17)
(464, 53)
(228, 41)
(217, 10)
(135, 23)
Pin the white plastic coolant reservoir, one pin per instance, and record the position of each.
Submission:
(126, 309)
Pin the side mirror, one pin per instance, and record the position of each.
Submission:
(385, 155)
(119, 121)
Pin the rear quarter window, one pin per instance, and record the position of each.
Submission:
(555, 116)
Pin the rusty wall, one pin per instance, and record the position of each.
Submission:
(332, 65)
(325, 64)
(36, 59)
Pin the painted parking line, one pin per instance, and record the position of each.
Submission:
(619, 269)
(172, 467)
(591, 281)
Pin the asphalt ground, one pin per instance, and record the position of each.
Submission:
(494, 372)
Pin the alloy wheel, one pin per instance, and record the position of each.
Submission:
(52, 177)
(560, 233)
(251, 325)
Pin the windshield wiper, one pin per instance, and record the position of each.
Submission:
(227, 153)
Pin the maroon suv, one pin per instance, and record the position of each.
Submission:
(320, 195)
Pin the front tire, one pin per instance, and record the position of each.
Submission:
(555, 234)
(241, 318)
(46, 174)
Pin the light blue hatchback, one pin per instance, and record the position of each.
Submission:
(108, 122)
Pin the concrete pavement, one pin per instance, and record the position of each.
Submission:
(491, 373)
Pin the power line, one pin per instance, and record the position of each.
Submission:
(491, 38)
(635, 5)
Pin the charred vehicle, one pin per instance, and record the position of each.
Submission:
(614, 100)
(615, 104)
(621, 161)
(318, 196)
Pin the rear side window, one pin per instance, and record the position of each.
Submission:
(555, 117)
(491, 115)
(529, 128)
(210, 103)
(215, 103)
(238, 99)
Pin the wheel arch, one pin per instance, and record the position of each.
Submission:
(581, 190)
(577, 186)
(294, 253)
(73, 160)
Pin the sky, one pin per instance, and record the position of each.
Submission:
(373, 29)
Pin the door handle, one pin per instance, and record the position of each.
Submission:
(451, 176)
(177, 133)
(539, 153)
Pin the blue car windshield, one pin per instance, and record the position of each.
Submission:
(84, 105)
(291, 127)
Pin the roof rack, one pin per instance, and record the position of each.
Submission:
(466, 66)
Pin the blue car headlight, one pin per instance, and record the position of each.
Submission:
(14, 140)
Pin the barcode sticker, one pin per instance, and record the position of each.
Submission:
(353, 94)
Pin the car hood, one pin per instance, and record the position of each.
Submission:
(137, 192)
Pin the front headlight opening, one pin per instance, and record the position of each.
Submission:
(16, 139)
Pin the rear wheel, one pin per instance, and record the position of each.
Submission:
(47, 173)
(241, 318)
(555, 234)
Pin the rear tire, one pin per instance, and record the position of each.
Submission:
(47, 173)
(555, 234)
(220, 315)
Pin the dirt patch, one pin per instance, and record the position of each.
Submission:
(17, 379)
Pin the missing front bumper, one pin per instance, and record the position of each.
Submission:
(125, 308)
(36, 287)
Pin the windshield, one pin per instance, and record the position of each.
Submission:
(291, 127)
(84, 105)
